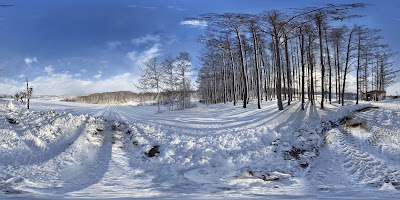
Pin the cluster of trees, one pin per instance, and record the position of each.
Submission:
(292, 55)
(170, 79)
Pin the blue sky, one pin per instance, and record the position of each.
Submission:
(86, 46)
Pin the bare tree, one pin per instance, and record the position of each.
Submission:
(151, 77)
(183, 64)
(170, 80)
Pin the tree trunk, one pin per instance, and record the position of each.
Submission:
(322, 66)
(224, 75)
(288, 68)
(302, 68)
(338, 72)
(346, 65)
(278, 71)
(244, 71)
(258, 87)
(330, 67)
(233, 75)
(358, 66)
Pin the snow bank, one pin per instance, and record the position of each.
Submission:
(13, 105)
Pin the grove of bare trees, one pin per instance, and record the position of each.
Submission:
(301, 54)
(171, 78)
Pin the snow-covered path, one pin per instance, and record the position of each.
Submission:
(206, 152)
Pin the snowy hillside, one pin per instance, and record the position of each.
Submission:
(61, 149)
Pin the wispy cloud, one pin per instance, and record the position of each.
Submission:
(29, 61)
(113, 44)
(149, 38)
(194, 23)
(139, 58)
(150, 7)
(145, 7)
(98, 75)
(178, 8)
(49, 69)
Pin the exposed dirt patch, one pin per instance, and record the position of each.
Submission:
(99, 129)
(155, 151)
(396, 185)
(355, 124)
(12, 191)
(304, 164)
(294, 153)
(345, 120)
(115, 127)
(368, 108)
(269, 178)
(12, 121)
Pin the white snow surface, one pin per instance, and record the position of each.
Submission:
(71, 150)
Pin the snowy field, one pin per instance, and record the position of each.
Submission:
(70, 150)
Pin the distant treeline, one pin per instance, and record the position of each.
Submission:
(6, 96)
(121, 97)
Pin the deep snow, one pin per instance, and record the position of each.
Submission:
(71, 150)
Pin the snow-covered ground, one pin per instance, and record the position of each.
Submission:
(71, 150)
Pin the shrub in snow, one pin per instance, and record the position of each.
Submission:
(13, 106)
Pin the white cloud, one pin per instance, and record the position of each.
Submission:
(21, 76)
(77, 74)
(9, 86)
(194, 23)
(83, 70)
(139, 58)
(67, 84)
(49, 69)
(393, 89)
(98, 75)
(113, 44)
(149, 38)
(29, 61)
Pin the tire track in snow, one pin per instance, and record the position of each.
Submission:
(114, 181)
(364, 167)
(386, 123)
(86, 172)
